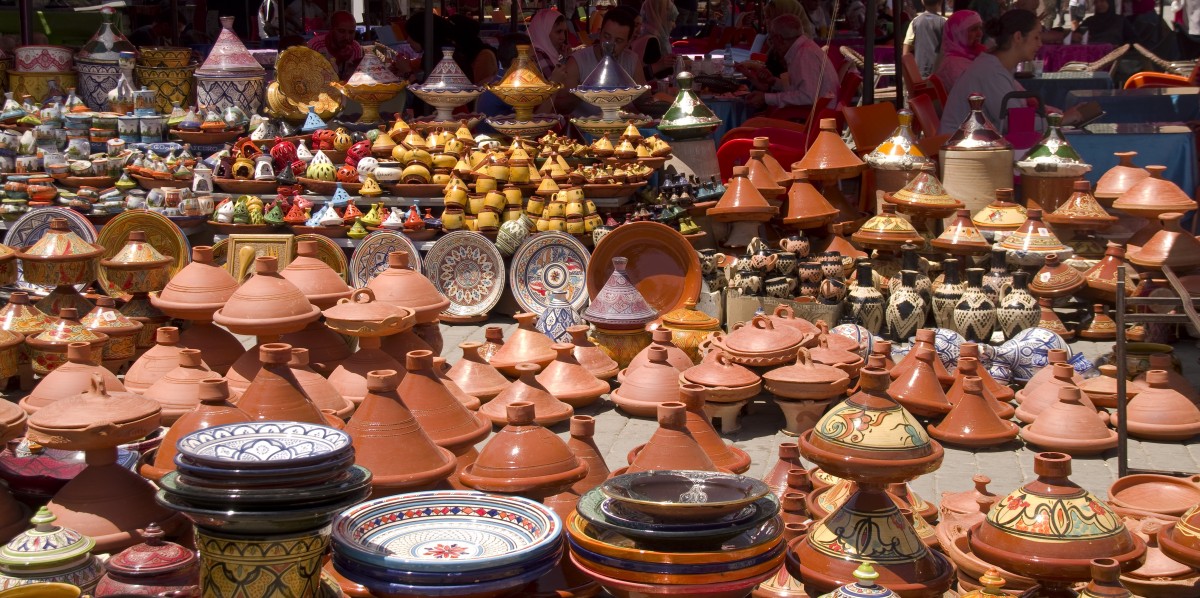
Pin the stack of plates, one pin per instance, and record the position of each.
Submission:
(275, 476)
(446, 543)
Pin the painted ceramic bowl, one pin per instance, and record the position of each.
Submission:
(731, 586)
(331, 467)
(680, 574)
(260, 521)
(445, 578)
(684, 495)
(446, 531)
(264, 445)
(164, 56)
(613, 515)
(43, 59)
(611, 543)
(490, 589)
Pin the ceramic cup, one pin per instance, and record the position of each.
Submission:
(151, 128)
(780, 287)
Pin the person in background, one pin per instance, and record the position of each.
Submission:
(548, 33)
(653, 43)
(617, 29)
(1152, 32)
(810, 74)
(818, 15)
(778, 8)
(597, 19)
(987, 9)
(339, 44)
(924, 37)
(155, 33)
(1077, 10)
(960, 46)
(687, 15)
(1105, 26)
(476, 59)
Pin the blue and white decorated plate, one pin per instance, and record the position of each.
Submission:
(547, 262)
(264, 444)
(371, 256)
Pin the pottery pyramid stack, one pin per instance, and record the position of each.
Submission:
(829, 160)
(368, 320)
(619, 310)
(743, 207)
(230, 76)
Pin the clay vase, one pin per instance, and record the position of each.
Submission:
(524, 458)
(176, 390)
(918, 389)
(570, 382)
(447, 422)
(350, 377)
(1047, 394)
(319, 283)
(1102, 389)
(1106, 581)
(651, 384)
(969, 366)
(975, 313)
(548, 409)
(214, 410)
(659, 337)
(1046, 374)
(475, 376)
(408, 288)
(524, 345)
(383, 429)
(1018, 310)
(440, 367)
(1161, 412)
(583, 445)
(591, 356)
(319, 390)
(1163, 361)
(998, 391)
(672, 446)
(906, 310)
(789, 459)
(998, 280)
(69, 379)
(972, 422)
(266, 304)
(1056, 556)
(1069, 426)
(275, 394)
(723, 455)
(947, 296)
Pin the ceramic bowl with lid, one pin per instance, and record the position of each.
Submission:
(264, 445)
(684, 495)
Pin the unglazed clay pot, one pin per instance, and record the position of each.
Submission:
(400, 345)
(176, 390)
(1164, 362)
(1046, 395)
(672, 446)
(778, 478)
(918, 389)
(591, 356)
(524, 345)
(724, 380)
(524, 458)
(759, 343)
(548, 409)
(155, 363)
(1102, 389)
(826, 353)
(350, 377)
(784, 315)
(275, 394)
(382, 429)
(660, 338)
(475, 376)
(973, 422)
(447, 422)
(69, 379)
(1161, 412)
(319, 283)
(440, 368)
(326, 348)
(323, 394)
(214, 410)
(212, 340)
(197, 290)
(493, 337)
(266, 304)
(924, 338)
(723, 455)
(969, 366)
(998, 391)
(408, 288)
(651, 384)
(1046, 374)
(570, 382)
(583, 445)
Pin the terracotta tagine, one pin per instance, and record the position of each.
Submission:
(1070, 427)
(591, 356)
(1047, 394)
(69, 379)
(618, 305)
(195, 293)
(408, 288)
(266, 304)
(214, 410)
(48, 350)
(804, 390)
(660, 337)
(524, 458)
(918, 389)
(1081, 211)
(672, 446)
(969, 366)
(1047, 373)
(21, 317)
(973, 422)
(1102, 326)
(759, 343)
(322, 393)
(549, 410)
(1153, 196)
(649, 385)
(275, 394)
(1056, 556)
(441, 367)
(583, 445)
(315, 279)
(326, 348)
(1120, 178)
(1165, 362)
(1170, 246)
(965, 504)
(998, 391)
(1106, 581)
(175, 391)
(844, 359)
(524, 345)
(155, 363)
(381, 426)
(1160, 577)
(887, 230)
(475, 376)
(123, 332)
(728, 385)
(570, 382)
(1055, 279)
(60, 259)
(785, 315)
(724, 455)
(153, 567)
(1161, 412)
(962, 237)
(105, 501)
(806, 207)
(924, 338)
(363, 317)
(1102, 390)
(742, 202)
(49, 553)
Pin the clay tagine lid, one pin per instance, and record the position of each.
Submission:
(886, 230)
(899, 151)
(198, 290)
(829, 158)
(267, 304)
(761, 337)
(976, 132)
(67, 329)
(672, 446)
(1120, 178)
(720, 371)
(1070, 426)
(153, 558)
(806, 207)
(690, 318)
(742, 201)
(46, 547)
(1161, 412)
(319, 283)
(1033, 236)
(761, 176)
(60, 244)
(1002, 214)
(19, 315)
(1053, 156)
(962, 237)
(229, 56)
(106, 318)
(1014, 535)
(94, 419)
(805, 379)
(137, 254)
(524, 458)
(1055, 279)
(1154, 195)
(407, 288)
(1170, 246)
(924, 194)
(619, 305)
(1081, 210)
(1158, 565)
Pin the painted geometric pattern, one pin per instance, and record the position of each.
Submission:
(95, 83)
(525, 523)
(246, 94)
(469, 270)
(283, 568)
(1080, 516)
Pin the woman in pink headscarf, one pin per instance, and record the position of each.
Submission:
(548, 32)
(960, 46)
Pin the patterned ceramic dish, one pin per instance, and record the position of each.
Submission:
(548, 262)
(467, 269)
(260, 521)
(684, 495)
(449, 530)
(729, 567)
(371, 256)
(590, 508)
(333, 467)
(731, 584)
(444, 578)
(499, 587)
(610, 543)
(351, 481)
(264, 445)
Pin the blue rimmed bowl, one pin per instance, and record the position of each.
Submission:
(331, 467)
(489, 589)
(590, 508)
(349, 482)
(355, 568)
(266, 444)
(451, 530)
(681, 569)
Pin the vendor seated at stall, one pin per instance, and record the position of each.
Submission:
(339, 45)
(810, 74)
(617, 29)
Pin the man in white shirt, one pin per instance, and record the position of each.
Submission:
(924, 37)
(810, 74)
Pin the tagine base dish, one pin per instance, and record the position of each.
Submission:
(598, 126)
(537, 125)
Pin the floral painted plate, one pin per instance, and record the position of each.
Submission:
(371, 256)
(264, 444)
(547, 262)
(328, 252)
(30, 227)
(467, 269)
(161, 233)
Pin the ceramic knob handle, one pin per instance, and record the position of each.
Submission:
(418, 360)
(661, 335)
(583, 426)
(188, 358)
(398, 259)
(793, 502)
(213, 390)
(68, 313)
(303, 248)
(1157, 378)
(672, 414)
(1106, 570)
(657, 354)
(167, 335)
(383, 380)
(299, 358)
(79, 353)
(791, 531)
(202, 254)
(520, 413)
(874, 379)
(494, 334)
(1063, 371)
(564, 350)
(275, 353)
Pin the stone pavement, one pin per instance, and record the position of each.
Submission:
(1008, 466)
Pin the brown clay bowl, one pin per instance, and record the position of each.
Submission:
(1155, 493)
(684, 495)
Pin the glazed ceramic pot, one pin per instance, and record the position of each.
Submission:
(998, 281)
(138, 267)
(1032, 242)
(672, 446)
(906, 309)
(976, 159)
(171, 84)
(476, 376)
(570, 382)
(557, 317)
(48, 350)
(618, 305)
(152, 567)
(527, 389)
(60, 257)
(689, 327)
(122, 332)
(975, 313)
(230, 76)
(49, 553)
(290, 561)
(1018, 310)
(866, 302)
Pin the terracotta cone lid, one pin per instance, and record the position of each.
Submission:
(924, 194)
(720, 371)
(969, 366)
(197, 290)
(1106, 581)
(319, 283)
(661, 337)
(447, 422)
(69, 379)
(1010, 538)
(962, 236)
(1081, 210)
(619, 305)
(383, 428)
(1048, 373)
(672, 446)
(1120, 178)
(1033, 235)
(829, 157)
(1102, 389)
(643, 389)
(776, 169)
(524, 457)
(582, 443)
(137, 254)
(527, 389)
(1161, 412)
(806, 207)
(1002, 214)
(229, 55)
(973, 422)
(1070, 426)
(474, 375)
(919, 390)
(95, 419)
(1102, 327)
(525, 345)
(319, 390)
(742, 201)
(967, 503)
(886, 230)
(1037, 399)
(569, 381)
(1154, 195)
(266, 304)
(923, 338)
(761, 176)
(832, 350)
(1163, 361)
(591, 356)
(785, 315)
(440, 366)
(177, 390)
(408, 288)
(214, 409)
(156, 362)
(1056, 279)
(1170, 246)
(1158, 565)
(723, 454)
(275, 394)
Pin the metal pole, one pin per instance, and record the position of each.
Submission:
(429, 53)
(868, 86)
(1119, 355)
(25, 8)
(175, 22)
(512, 18)
(283, 21)
(897, 38)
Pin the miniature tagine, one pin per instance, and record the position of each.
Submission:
(154, 566)
(60, 259)
(1033, 241)
(1001, 215)
(744, 207)
(49, 553)
(522, 86)
(446, 87)
(886, 231)
(688, 117)
(372, 84)
(962, 237)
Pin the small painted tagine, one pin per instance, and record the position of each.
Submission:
(689, 327)
(138, 267)
(152, 568)
(523, 87)
(49, 553)
(59, 257)
(48, 350)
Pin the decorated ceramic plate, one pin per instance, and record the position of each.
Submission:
(328, 252)
(161, 233)
(30, 227)
(547, 262)
(264, 444)
(467, 269)
(662, 264)
(371, 256)
(589, 507)
(444, 531)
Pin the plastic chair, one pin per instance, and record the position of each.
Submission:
(870, 125)
(787, 145)
(742, 132)
(848, 88)
(734, 153)
(759, 122)
(927, 119)
(912, 72)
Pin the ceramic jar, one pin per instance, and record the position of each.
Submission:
(1018, 310)
(151, 568)
(947, 296)
(906, 309)
(557, 317)
(689, 327)
(975, 313)
(49, 553)
(866, 302)
(230, 76)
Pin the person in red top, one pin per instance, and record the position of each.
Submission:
(339, 45)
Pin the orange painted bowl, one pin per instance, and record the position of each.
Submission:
(611, 544)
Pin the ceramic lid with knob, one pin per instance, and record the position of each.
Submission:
(829, 157)
(1053, 156)
(899, 151)
(107, 43)
(607, 74)
(60, 243)
(267, 303)
(137, 254)
(690, 318)
(619, 303)
(371, 71)
(976, 132)
(362, 315)
(229, 55)
(153, 558)
(46, 547)
(95, 418)
(688, 110)
(1154, 195)
(864, 587)
(760, 335)
(68, 329)
(524, 457)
